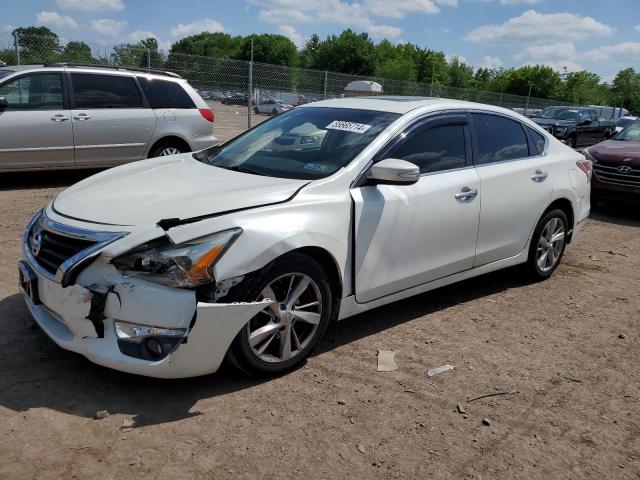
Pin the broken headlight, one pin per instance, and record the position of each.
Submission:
(187, 264)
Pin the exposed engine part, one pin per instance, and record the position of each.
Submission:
(222, 288)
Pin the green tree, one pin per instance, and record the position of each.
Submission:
(218, 44)
(540, 80)
(309, 54)
(625, 90)
(37, 45)
(141, 55)
(348, 52)
(78, 52)
(460, 74)
(432, 67)
(582, 88)
(269, 48)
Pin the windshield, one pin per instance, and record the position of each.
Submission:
(623, 122)
(560, 114)
(304, 143)
(630, 134)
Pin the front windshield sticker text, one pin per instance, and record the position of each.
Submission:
(348, 126)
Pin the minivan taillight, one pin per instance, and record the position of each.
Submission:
(587, 167)
(206, 113)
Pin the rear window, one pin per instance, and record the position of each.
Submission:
(105, 91)
(165, 94)
(499, 138)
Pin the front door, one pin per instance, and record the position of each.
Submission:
(111, 123)
(407, 235)
(35, 127)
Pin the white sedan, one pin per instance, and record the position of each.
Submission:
(272, 107)
(167, 266)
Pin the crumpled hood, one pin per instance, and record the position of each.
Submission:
(617, 152)
(145, 192)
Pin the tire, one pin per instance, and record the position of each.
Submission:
(260, 349)
(571, 142)
(553, 224)
(167, 148)
(255, 110)
(274, 112)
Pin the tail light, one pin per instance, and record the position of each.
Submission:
(587, 167)
(206, 113)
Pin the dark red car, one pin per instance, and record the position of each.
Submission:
(616, 166)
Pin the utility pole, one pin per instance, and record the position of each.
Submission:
(325, 84)
(528, 97)
(250, 93)
(148, 60)
(16, 43)
(433, 76)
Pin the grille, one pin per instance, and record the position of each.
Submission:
(55, 249)
(611, 174)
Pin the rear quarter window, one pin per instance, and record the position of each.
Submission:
(165, 94)
(538, 141)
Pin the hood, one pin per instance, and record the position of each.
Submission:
(617, 152)
(172, 187)
(551, 122)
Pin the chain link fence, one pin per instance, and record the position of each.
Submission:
(236, 89)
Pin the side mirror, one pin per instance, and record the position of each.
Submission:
(393, 171)
(3, 103)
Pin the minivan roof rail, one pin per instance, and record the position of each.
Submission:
(112, 67)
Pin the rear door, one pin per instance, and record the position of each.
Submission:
(112, 123)
(407, 235)
(514, 184)
(35, 128)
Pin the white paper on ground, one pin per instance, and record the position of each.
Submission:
(387, 361)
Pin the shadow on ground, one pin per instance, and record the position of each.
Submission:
(36, 373)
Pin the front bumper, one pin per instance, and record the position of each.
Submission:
(62, 312)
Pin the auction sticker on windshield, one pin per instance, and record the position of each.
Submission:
(348, 126)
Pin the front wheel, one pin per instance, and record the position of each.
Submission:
(548, 244)
(281, 336)
(168, 148)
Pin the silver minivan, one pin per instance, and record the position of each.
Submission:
(65, 116)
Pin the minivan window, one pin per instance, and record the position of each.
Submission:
(34, 92)
(499, 138)
(105, 91)
(165, 94)
(433, 149)
(538, 141)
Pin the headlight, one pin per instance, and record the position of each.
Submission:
(589, 156)
(187, 264)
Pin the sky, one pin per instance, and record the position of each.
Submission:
(601, 36)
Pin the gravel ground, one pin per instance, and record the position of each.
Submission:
(566, 351)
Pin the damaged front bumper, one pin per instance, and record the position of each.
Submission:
(81, 319)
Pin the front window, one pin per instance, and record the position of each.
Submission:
(34, 92)
(304, 143)
(630, 134)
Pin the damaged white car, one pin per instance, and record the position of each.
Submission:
(246, 251)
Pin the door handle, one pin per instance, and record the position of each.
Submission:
(540, 176)
(59, 118)
(81, 116)
(467, 194)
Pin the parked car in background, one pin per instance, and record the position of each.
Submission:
(294, 99)
(167, 266)
(577, 127)
(235, 99)
(616, 166)
(272, 107)
(622, 122)
(64, 116)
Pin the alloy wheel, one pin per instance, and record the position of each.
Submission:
(169, 151)
(283, 329)
(550, 244)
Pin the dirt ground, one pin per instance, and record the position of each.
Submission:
(565, 350)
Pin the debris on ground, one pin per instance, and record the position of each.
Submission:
(387, 361)
(341, 402)
(486, 421)
(461, 409)
(502, 392)
(622, 336)
(361, 448)
(127, 425)
(436, 370)
(100, 414)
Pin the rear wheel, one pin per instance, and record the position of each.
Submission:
(572, 142)
(281, 336)
(169, 147)
(274, 112)
(548, 244)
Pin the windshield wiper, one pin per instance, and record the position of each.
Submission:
(239, 168)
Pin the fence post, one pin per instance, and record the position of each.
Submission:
(325, 84)
(250, 91)
(16, 43)
(500, 101)
(148, 59)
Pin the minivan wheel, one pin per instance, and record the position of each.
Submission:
(282, 336)
(165, 149)
(548, 244)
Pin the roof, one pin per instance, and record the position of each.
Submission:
(93, 68)
(400, 105)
